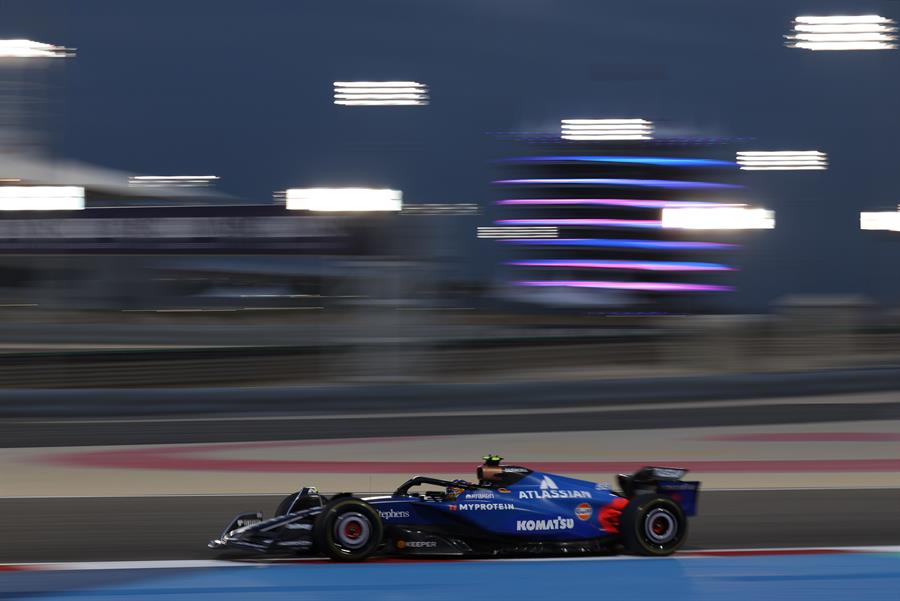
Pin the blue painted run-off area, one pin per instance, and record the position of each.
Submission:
(843, 576)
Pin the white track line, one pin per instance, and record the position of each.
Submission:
(218, 563)
(835, 400)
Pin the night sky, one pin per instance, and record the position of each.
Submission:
(243, 90)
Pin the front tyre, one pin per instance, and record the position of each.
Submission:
(348, 529)
(653, 525)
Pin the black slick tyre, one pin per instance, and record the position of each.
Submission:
(348, 529)
(652, 525)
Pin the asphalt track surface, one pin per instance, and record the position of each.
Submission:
(183, 429)
(146, 528)
(178, 527)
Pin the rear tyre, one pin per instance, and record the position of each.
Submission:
(653, 525)
(348, 529)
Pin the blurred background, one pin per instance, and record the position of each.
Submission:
(233, 222)
(177, 131)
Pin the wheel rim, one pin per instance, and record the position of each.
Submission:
(352, 530)
(660, 526)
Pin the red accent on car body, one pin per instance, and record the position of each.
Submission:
(610, 514)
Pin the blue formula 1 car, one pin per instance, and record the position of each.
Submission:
(510, 511)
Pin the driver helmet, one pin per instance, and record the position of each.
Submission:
(456, 488)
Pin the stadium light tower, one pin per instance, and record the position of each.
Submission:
(22, 95)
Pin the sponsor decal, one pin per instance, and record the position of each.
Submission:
(554, 494)
(392, 514)
(558, 523)
(602, 486)
(453, 507)
(416, 544)
(242, 523)
(583, 511)
(515, 470)
(548, 489)
(480, 495)
(668, 472)
(503, 490)
(677, 486)
(485, 506)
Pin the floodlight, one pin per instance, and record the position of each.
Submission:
(880, 220)
(606, 129)
(843, 32)
(41, 198)
(31, 49)
(718, 218)
(341, 200)
(782, 160)
(380, 93)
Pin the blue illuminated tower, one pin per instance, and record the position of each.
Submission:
(605, 200)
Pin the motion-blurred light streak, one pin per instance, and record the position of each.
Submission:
(644, 286)
(636, 223)
(614, 202)
(782, 160)
(604, 181)
(635, 160)
(423, 208)
(517, 232)
(606, 129)
(172, 181)
(380, 93)
(622, 243)
(344, 199)
(718, 218)
(843, 32)
(32, 49)
(621, 264)
(41, 198)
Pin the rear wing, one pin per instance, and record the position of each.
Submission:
(666, 481)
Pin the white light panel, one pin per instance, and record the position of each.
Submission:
(606, 129)
(380, 93)
(341, 200)
(31, 49)
(518, 232)
(880, 220)
(843, 32)
(718, 218)
(41, 198)
(782, 160)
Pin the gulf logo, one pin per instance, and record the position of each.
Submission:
(583, 512)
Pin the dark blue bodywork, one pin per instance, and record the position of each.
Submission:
(521, 507)
(539, 506)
